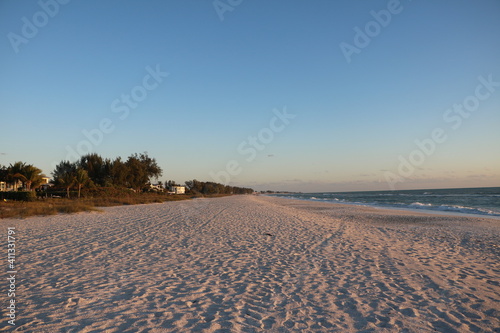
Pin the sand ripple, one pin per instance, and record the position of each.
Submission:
(251, 264)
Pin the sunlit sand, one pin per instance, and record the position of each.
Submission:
(253, 263)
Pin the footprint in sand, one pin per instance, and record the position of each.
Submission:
(72, 302)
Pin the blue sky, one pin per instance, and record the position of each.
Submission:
(354, 122)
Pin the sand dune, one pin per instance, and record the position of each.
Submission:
(251, 264)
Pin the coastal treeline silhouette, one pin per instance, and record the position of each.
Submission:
(209, 188)
(100, 176)
(93, 170)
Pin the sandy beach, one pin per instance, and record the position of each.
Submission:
(252, 264)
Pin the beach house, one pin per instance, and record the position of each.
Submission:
(18, 185)
(11, 186)
(177, 189)
(156, 187)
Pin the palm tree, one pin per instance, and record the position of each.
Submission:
(16, 175)
(67, 180)
(32, 176)
(64, 175)
(81, 178)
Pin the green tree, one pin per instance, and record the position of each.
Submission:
(64, 175)
(171, 183)
(136, 176)
(118, 173)
(3, 173)
(95, 167)
(81, 179)
(195, 186)
(32, 177)
(141, 169)
(15, 174)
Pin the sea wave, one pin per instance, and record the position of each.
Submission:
(324, 199)
(455, 208)
(419, 204)
(399, 205)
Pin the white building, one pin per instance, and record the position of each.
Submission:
(45, 180)
(156, 187)
(17, 185)
(46, 183)
(4, 186)
(178, 189)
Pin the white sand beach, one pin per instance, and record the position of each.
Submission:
(252, 264)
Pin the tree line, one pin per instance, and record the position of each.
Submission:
(92, 170)
(209, 188)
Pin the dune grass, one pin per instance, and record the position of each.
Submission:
(54, 206)
(43, 207)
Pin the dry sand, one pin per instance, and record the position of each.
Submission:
(251, 264)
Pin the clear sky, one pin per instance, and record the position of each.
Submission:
(284, 95)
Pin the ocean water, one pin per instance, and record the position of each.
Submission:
(480, 201)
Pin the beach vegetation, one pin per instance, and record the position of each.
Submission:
(94, 181)
(81, 179)
(65, 175)
(21, 176)
(18, 196)
(211, 188)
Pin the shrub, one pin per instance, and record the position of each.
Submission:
(18, 196)
(106, 192)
